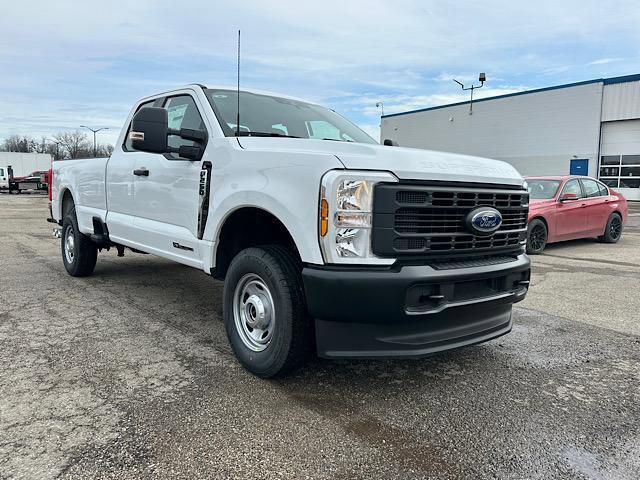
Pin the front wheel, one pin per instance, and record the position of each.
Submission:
(264, 311)
(79, 253)
(613, 229)
(536, 237)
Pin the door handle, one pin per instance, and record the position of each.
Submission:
(141, 172)
(581, 206)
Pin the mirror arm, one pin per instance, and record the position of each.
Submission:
(188, 134)
(186, 152)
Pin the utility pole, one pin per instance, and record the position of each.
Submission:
(57, 144)
(481, 78)
(95, 148)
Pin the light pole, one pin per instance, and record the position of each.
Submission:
(95, 151)
(481, 78)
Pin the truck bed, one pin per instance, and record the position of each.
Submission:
(87, 176)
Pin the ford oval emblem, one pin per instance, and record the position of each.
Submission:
(484, 221)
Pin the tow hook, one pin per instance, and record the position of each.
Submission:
(56, 232)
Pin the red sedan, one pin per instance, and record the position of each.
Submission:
(570, 207)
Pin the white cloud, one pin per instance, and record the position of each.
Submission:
(67, 62)
(402, 103)
(604, 61)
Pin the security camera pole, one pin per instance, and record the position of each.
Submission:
(95, 150)
(482, 78)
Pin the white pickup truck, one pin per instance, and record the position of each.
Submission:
(327, 241)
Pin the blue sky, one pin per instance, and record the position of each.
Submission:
(63, 64)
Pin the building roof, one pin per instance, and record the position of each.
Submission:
(605, 81)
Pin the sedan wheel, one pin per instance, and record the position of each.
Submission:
(537, 237)
(613, 229)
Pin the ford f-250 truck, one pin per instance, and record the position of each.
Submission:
(326, 240)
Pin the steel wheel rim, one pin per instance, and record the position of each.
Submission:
(69, 244)
(615, 228)
(253, 312)
(537, 238)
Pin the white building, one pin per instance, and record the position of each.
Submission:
(585, 128)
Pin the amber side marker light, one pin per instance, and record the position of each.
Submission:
(324, 217)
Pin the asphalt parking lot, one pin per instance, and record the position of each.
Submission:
(128, 375)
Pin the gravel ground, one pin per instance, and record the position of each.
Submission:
(128, 375)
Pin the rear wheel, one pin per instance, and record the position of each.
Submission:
(264, 311)
(613, 229)
(536, 237)
(79, 253)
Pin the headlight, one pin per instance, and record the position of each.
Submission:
(346, 202)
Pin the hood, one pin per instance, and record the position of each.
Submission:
(404, 163)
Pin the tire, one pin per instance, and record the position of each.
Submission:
(79, 253)
(264, 311)
(537, 235)
(613, 229)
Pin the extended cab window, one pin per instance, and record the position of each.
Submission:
(182, 113)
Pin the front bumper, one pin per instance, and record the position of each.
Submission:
(412, 310)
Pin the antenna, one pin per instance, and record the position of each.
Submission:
(238, 99)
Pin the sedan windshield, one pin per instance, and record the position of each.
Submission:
(543, 189)
(267, 116)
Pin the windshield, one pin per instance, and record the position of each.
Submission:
(264, 115)
(543, 189)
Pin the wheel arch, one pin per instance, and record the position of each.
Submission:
(550, 233)
(248, 226)
(66, 199)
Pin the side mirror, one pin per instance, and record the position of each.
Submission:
(149, 132)
(568, 196)
(390, 143)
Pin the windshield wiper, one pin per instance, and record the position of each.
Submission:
(262, 134)
(337, 140)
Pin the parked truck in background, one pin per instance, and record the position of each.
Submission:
(326, 241)
(26, 169)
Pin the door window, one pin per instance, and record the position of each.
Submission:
(182, 113)
(572, 186)
(1, 172)
(591, 188)
(604, 191)
(127, 141)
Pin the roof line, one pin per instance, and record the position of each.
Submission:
(605, 81)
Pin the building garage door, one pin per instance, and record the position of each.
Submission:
(620, 157)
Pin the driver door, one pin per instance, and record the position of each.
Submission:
(571, 214)
(166, 190)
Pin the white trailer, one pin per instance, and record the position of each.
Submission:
(24, 163)
(21, 165)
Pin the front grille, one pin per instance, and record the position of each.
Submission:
(450, 220)
(430, 220)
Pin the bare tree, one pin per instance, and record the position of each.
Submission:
(104, 150)
(75, 144)
(19, 143)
